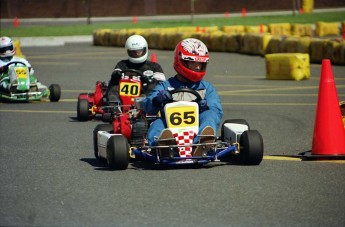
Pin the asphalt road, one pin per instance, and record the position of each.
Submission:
(49, 176)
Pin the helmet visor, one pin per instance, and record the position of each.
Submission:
(195, 65)
(6, 48)
(136, 53)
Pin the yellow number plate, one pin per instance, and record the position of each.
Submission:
(21, 72)
(130, 89)
(182, 116)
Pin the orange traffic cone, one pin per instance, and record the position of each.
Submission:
(329, 132)
(261, 28)
(15, 22)
(244, 12)
(153, 57)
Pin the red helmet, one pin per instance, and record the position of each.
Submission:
(192, 50)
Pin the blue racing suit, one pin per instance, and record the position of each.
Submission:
(210, 117)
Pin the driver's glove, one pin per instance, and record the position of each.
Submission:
(116, 76)
(4, 69)
(162, 98)
(202, 105)
(159, 76)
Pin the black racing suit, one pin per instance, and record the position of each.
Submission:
(113, 92)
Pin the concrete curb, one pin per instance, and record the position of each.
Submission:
(52, 41)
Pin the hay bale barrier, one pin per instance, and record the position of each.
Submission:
(290, 66)
(319, 41)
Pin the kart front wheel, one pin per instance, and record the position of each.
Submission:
(101, 127)
(251, 148)
(83, 110)
(55, 92)
(117, 152)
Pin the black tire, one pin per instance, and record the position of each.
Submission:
(83, 110)
(101, 127)
(117, 152)
(251, 148)
(235, 121)
(55, 92)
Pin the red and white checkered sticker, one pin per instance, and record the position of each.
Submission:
(185, 138)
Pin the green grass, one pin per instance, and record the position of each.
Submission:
(85, 29)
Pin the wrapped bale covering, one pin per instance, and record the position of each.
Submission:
(256, 29)
(317, 49)
(280, 29)
(153, 40)
(296, 45)
(217, 41)
(211, 29)
(302, 29)
(232, 42)
(233, 29)
(274, 45)
(169, 40)
(327, 29)
(102, 37)
(291, 66)
(122, 36)
(254, 43)
(335, 51)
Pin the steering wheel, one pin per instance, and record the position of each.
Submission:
(187, 90)
(15, 62)
(12, 63)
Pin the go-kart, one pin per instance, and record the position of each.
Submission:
(118, 146)
(93, 104)
(22, 89)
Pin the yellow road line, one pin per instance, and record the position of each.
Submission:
(267, 104)
(248, 77)
(272, 89)
(286, 158)
(281, 158)
(68, 100)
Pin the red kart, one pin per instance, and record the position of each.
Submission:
(92, 104)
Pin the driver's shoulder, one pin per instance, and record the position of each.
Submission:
(15, 58)
(206, 84)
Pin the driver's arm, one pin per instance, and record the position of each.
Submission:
(2, 69)
(115, 77)
(149, 107)
(213, 102)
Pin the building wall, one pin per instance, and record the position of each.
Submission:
(113, 8)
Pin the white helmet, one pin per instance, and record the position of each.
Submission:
(137, 50)
(7, 49)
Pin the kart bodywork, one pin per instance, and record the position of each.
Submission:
(22, 89)
(125, 141)
(95, 103)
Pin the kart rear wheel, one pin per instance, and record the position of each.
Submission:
(235, 121)
(251, 148)
(55, 92)
(101, 127)
(83, 110)
(117, 152)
